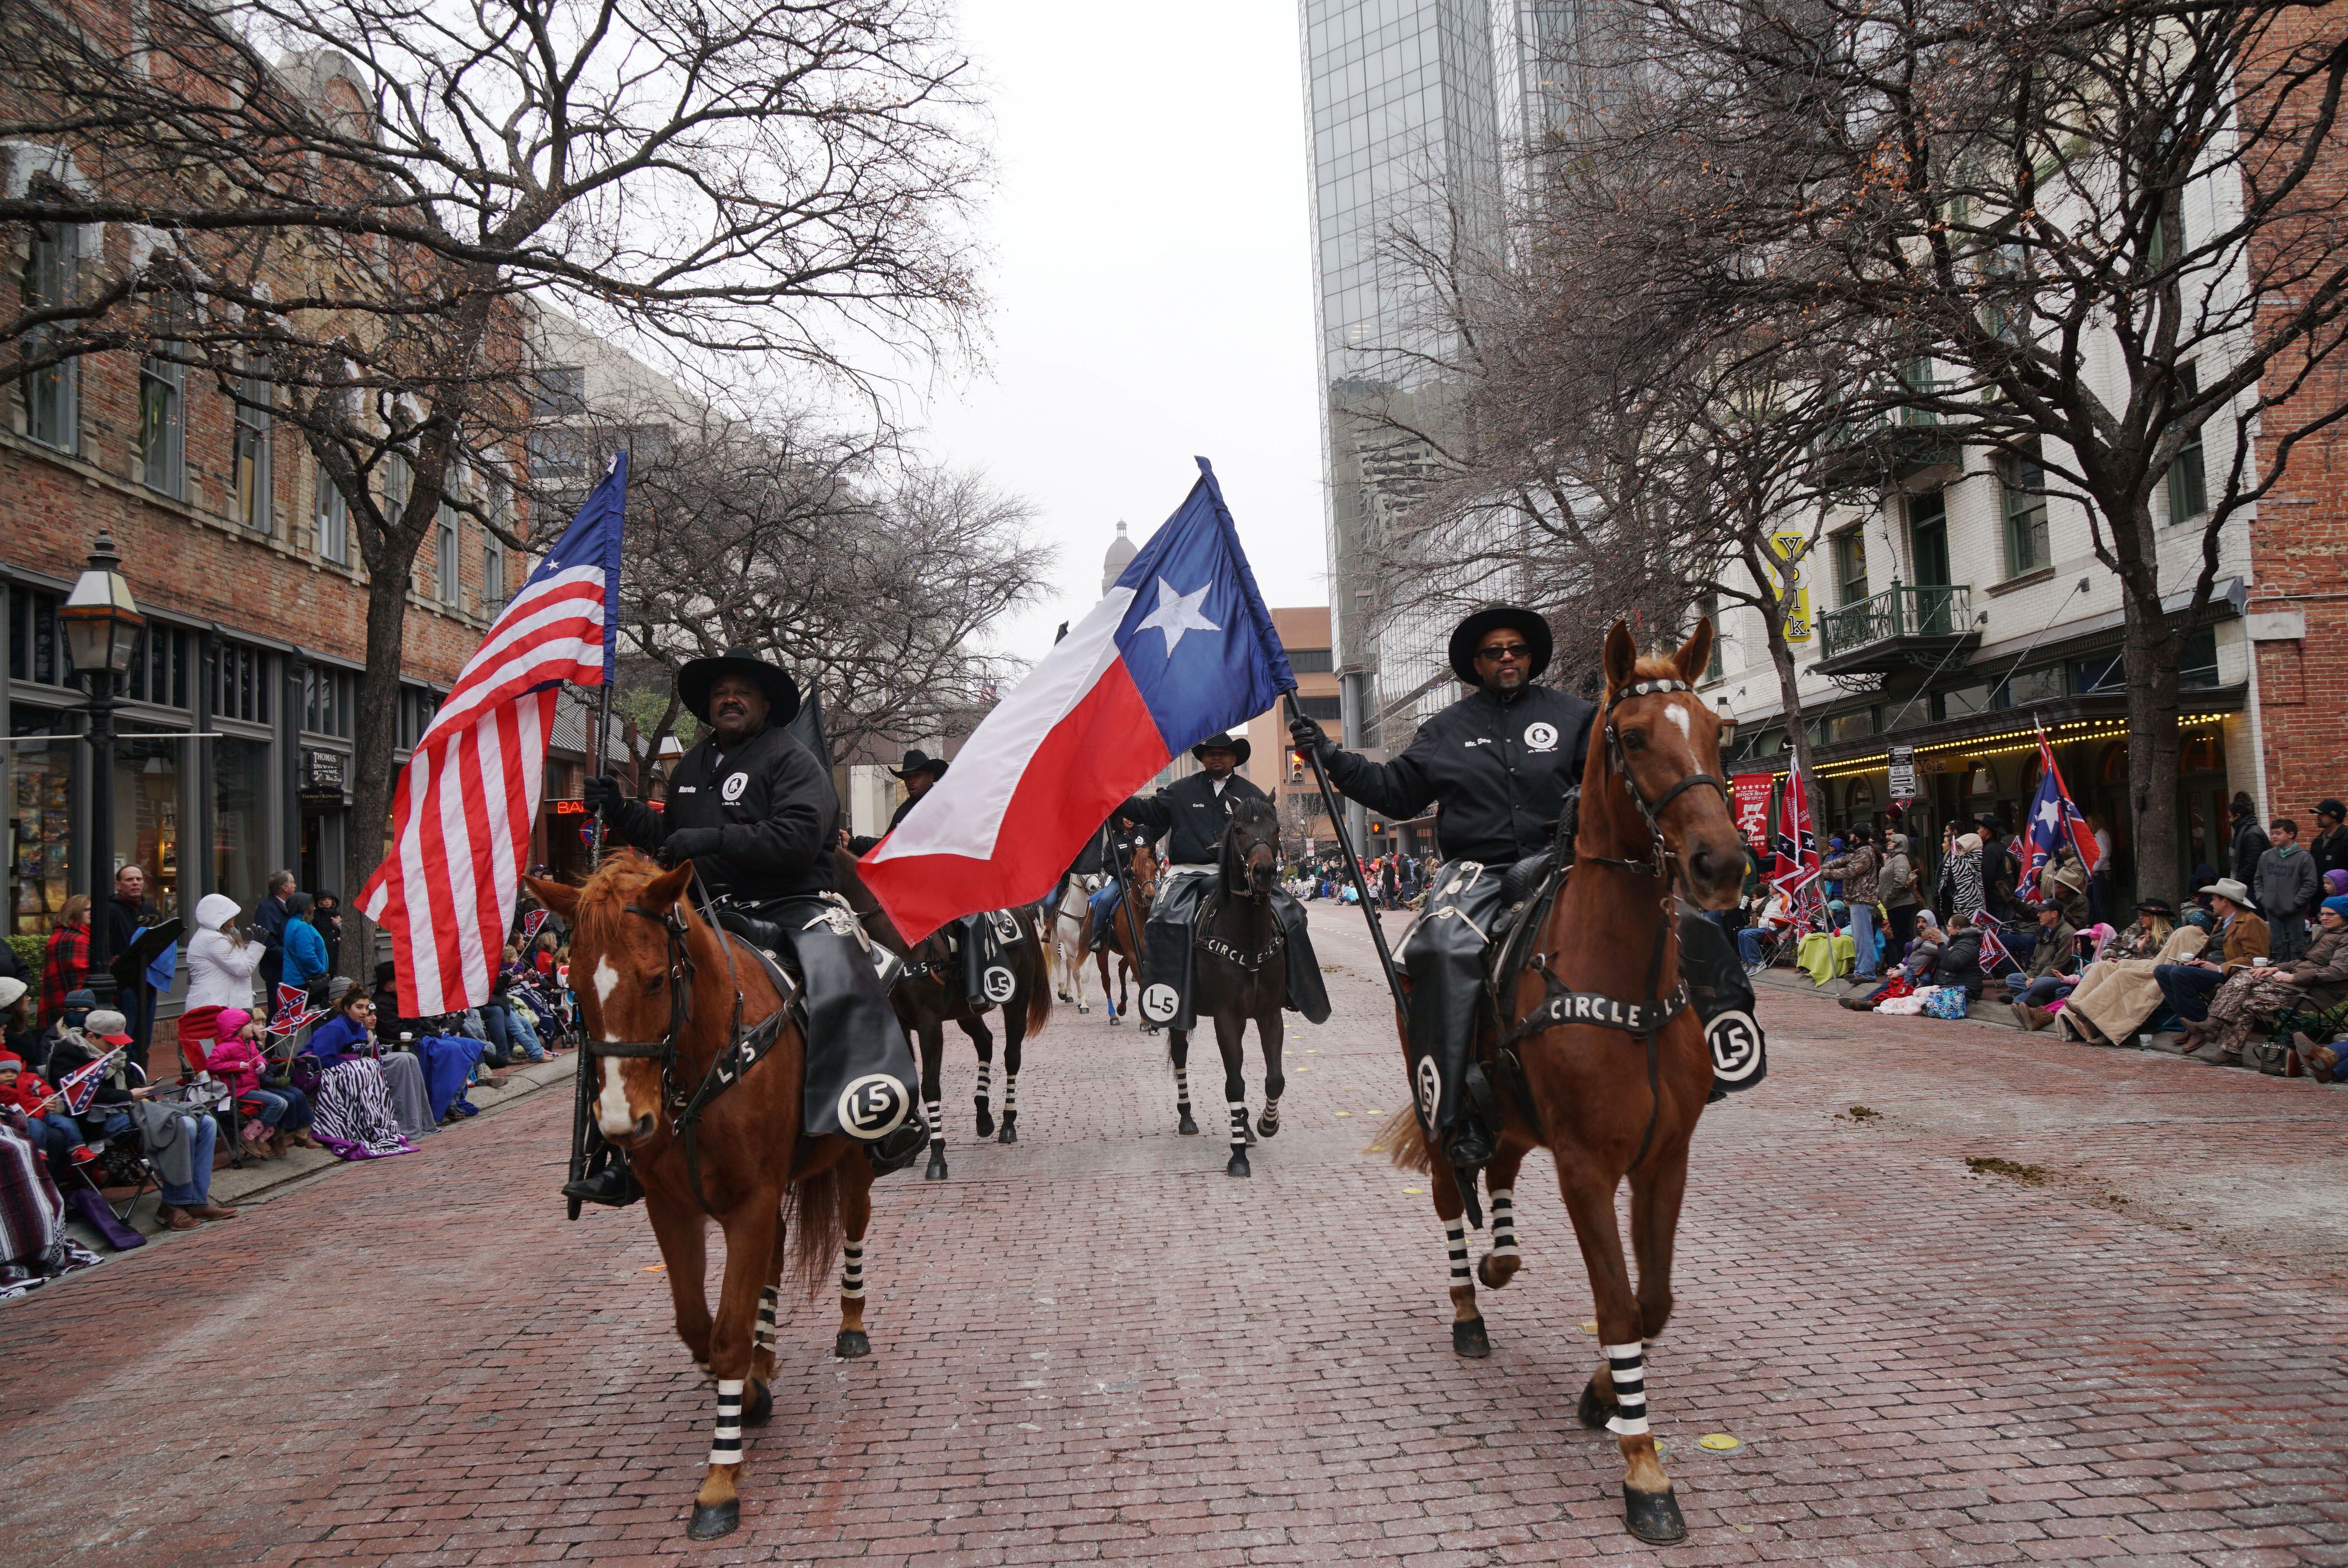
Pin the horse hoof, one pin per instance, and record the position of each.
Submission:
(1653, 1517)
(712, 1520)
(1469, 1339)
(1239, 1165)
(1593, 1411)
(761, 1409)
(1269, 1122)
(985, 1122)
(1187, 1127)
(937, 1171)
(1010, 1129)
(851, 1343)
(1488, 1276)
(1082, 1009)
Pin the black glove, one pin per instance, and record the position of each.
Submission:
(1304, 731)
(602, 793)
(690, 844)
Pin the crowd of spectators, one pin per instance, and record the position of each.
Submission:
(2250, 970)
(274, 1053)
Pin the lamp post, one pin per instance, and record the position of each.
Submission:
(102, 625)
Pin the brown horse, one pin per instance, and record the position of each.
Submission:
(663, 995)
(1607, 1103)
(1242, 973)
(1124, 936)
(932, 995)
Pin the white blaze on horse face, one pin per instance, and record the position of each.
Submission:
(612, 1112)
(1679, 715)
(607, 980)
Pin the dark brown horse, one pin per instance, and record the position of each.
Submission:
(1607, 1103)
(1240, 973)
(932, 995)
(1123, 938)
(663, 995)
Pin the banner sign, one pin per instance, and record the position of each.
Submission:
(1793, 580)
(1750, 792)
(1903, 774)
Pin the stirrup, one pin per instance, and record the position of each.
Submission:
(897, 1150)
(614, 1186)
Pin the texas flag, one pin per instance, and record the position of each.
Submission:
(1180, 648)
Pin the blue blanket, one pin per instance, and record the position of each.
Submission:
(449, 1062)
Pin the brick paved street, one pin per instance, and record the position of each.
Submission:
(1095, 1345)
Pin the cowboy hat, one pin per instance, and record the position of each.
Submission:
(2160, 906)
(1224, 740)
(2232, 892)
(693, 681)
(918, 760)
(1493, 618)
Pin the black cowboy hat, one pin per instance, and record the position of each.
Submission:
(1225, 741)
(693, 681)
(2160, 906)
(1492, 618)
(918, 760)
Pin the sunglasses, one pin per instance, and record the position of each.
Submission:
(1504, 650)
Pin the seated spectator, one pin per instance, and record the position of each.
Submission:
(2047, 977)
(55, 1132)
(2062, 882)
(2118, 995)
(2155, 919)
(1959, 963)
(1911, 972)
(238, 1061)
(507, 1038)
(2257, 994)
(18, 1031)
(1775, 919)
(2241, 938)
(352, 1112)
(178, 1138)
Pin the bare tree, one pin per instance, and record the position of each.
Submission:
(2098, 238)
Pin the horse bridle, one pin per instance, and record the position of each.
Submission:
(1659, 853)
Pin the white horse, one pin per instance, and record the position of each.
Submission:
(1072, 925)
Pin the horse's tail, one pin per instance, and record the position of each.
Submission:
(817, 1233)
(1403, 1141)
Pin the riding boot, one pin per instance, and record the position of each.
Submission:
(1444, 954)
(608, 1181)
(1167, 962)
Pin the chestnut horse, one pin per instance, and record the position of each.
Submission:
(1240, 973)
(1610, 1104)
(1124, 936)
(663, 995)
(931, 994)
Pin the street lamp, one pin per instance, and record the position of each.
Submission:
(102, 626)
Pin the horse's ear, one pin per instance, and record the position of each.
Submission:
(1697, 651)
(559, 896)
(665, 889)
(1621, 655)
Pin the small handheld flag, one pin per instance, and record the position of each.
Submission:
(79, 1087)
(292, 1014)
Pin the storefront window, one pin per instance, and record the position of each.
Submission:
(147, 815)
(40, 820)
(240, 819)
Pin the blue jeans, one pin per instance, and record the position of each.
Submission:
(196, 1194)
(57, 1137)
(2037, 993)
(2187, 987)
(1863, 936)
(507, 1035)
(1748, 944)
(286, 1110)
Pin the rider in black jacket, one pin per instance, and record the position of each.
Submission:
(755, 813)
(1499, 762)
(1192, 812)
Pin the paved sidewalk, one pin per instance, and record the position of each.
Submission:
(2118, 1338)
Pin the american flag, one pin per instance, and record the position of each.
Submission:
(462, 816)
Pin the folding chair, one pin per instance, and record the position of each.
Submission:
(195, 1057)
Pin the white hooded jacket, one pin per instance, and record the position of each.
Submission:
(219, 970)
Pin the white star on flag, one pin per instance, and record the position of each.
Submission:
(1176, 614)
(2050, 813)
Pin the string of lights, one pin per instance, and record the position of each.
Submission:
(2004, 743)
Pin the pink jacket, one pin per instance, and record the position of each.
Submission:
(237, 1063)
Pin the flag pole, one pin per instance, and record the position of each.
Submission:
(1353, 869)
(582, 1092)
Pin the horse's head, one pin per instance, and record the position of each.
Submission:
(1251, 849)
(1664, 745)
(628, 939)
(1141, 868)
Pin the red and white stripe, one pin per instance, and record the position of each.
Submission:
(462, 816)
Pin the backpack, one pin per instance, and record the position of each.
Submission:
(1945, 1001)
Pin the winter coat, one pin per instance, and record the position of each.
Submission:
(2250, 841)
(28, 1092)
(1966, 893)
(268, 925)
(2055, 951)
(1855, 870)
(1960, 963)
(1192, 813)
(2287, 884)
(2323, 972)
(2246, 941)
(769, 802)
(336, 1038)
(219, 972)
(1894, 884)
(238, 1064)
(305, 955)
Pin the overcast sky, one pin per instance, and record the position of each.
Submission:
(1152, 284)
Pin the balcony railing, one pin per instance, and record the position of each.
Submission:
(1918, 610)
(1887, 444)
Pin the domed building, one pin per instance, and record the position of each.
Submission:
(1122, 551)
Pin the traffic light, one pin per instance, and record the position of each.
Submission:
(1296, 767)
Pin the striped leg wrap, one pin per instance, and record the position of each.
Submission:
(935, 1110)
(726, 1444)
(767, 1300)
(852, 1273)
(1010, 1096)
(1455, 1236)
(1504, 1221)
(985, 1071)
(1628, 1365)
(1239, 1124)
(1182, 1086)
